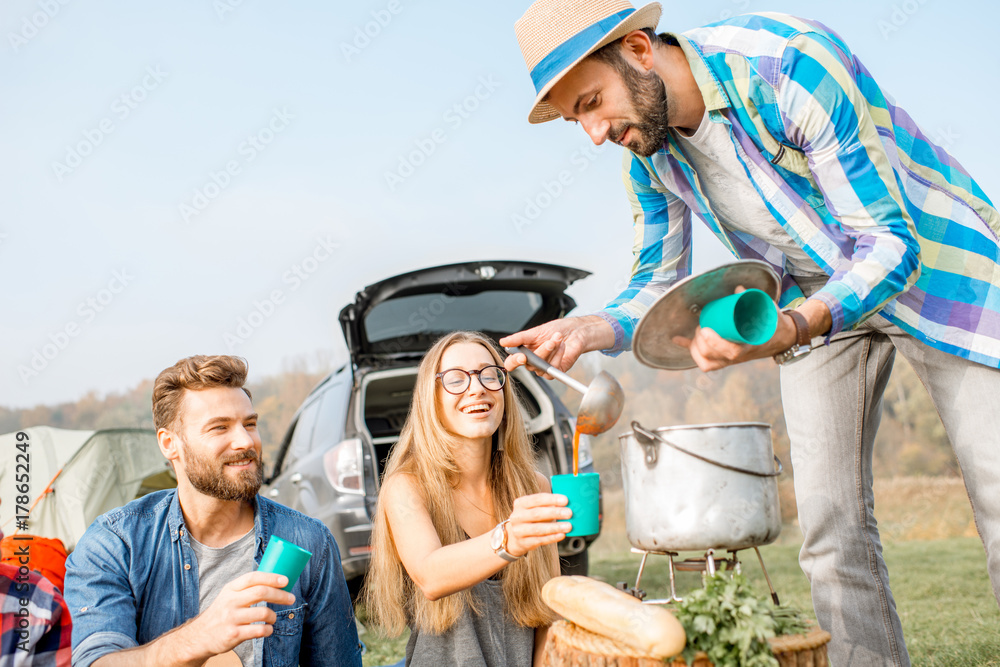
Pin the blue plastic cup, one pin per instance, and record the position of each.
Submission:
(282, 557)
(584, 493)
(748, 317)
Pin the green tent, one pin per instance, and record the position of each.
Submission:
(75, 476)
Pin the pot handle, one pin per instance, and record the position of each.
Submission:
(647, 439)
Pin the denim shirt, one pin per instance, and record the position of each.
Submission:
(133, 577)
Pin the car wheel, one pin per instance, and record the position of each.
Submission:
(575, 564)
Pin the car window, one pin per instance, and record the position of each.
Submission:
(303, 435)
(332, 415)
(421, 315)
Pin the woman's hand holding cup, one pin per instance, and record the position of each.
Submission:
(537, 520)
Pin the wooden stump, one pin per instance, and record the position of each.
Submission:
(570, 645)
(808, 650)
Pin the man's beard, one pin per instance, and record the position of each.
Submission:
(648, 96)
(209, 476)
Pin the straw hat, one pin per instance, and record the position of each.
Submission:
(555, 35)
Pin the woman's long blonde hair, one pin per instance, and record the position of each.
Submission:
(424, 451)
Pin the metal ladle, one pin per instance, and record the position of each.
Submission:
(603, 399)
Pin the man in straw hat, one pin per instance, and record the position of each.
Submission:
(769, 130)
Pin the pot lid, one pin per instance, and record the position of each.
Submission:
(676, 312)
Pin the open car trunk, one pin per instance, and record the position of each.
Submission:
(401, 317)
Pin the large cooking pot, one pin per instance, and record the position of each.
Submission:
(694, 488)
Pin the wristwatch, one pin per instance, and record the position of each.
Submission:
(803, 341)
(498, 542)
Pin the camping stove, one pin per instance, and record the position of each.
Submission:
(709, 563)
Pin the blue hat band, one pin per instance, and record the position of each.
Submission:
(569, 51)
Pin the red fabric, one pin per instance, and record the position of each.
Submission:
(46, 639)
(46, 555)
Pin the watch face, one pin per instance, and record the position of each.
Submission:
(496, 538)
(792, 354)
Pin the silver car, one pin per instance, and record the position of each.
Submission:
(330, 462)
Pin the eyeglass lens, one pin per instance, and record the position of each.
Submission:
(456, 380)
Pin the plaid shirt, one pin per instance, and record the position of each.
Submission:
(894, 220)
(47, 639)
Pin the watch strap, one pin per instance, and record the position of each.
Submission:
(502, 549)
(506, 556)
(802, 336)
(803, 340)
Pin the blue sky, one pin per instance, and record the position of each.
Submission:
(172, 168)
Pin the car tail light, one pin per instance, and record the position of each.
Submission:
(343, 466)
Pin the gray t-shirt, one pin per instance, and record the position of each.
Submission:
(216, 568)
(488, 639)
(737, 205)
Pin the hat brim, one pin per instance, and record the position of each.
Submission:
(647, 16)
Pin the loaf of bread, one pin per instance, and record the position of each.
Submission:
(607, 611)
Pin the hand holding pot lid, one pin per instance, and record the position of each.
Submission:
(676, 314)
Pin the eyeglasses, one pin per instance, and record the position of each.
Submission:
(457, 380)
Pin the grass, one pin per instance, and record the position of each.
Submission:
(943, 594)
(381, 650)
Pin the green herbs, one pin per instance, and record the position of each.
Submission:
(732, 625)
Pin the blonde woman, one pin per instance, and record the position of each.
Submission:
(465, 525)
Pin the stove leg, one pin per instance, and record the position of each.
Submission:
(642, 564)
(673, 585)
(734, 562)
(774, 596)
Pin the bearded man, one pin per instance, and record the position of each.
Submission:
(772, 132)
(170, 578)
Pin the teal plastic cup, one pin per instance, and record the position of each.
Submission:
(282, 557)
(584, 493)
(748, 317)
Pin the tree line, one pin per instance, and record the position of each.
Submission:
(911, 440)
